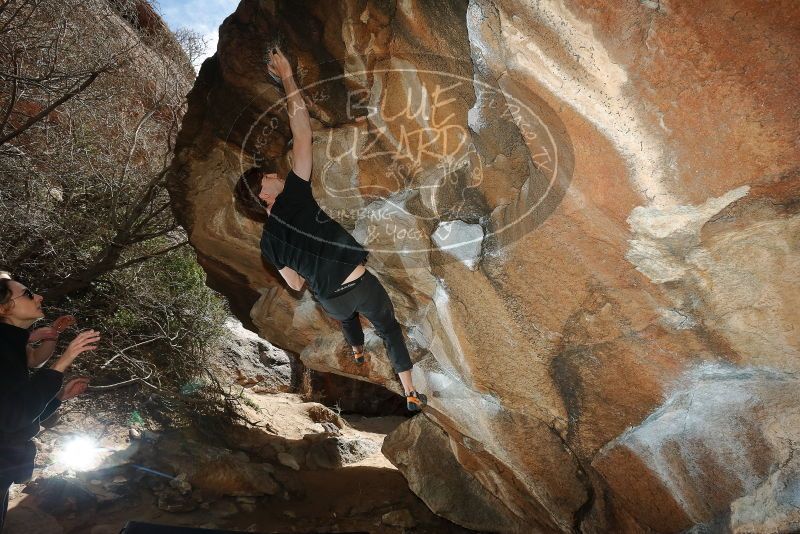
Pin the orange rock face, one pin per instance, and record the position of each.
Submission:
(586, 215)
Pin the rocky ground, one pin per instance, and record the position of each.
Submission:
(301, 467)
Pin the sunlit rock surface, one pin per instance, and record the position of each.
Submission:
(613, 344)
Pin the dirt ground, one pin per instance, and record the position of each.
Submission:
(368, 495)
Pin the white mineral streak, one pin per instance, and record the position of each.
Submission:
(593, 85)
(710, 414)
(664, 236)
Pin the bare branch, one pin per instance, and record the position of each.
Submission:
(124, 383)
(5, 27)
(135, 139)
(13, 98)
(46, 111)
(149, 256)
(122, 351)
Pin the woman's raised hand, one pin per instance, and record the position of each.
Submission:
(73, 388)
(86, 340)
(50, 333)
(63, 322)
(45, 333)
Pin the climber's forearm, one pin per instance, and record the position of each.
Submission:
(299, 119)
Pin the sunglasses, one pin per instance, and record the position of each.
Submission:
(25, 293)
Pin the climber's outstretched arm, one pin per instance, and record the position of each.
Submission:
(299, 120)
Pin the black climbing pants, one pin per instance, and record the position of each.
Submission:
(366, 296)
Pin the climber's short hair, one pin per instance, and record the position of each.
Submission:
(247, 189)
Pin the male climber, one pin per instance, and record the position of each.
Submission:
(305, 244)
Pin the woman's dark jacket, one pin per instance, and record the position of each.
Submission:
(25, 399)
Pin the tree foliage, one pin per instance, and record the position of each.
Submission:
(91, 97)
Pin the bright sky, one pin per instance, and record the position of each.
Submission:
(203, 16)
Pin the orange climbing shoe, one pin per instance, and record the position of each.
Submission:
(415, 401)
(358, 357)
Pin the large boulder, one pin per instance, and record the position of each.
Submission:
(426, 455)
(586, 214)
(253, 363)
(727, 435)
